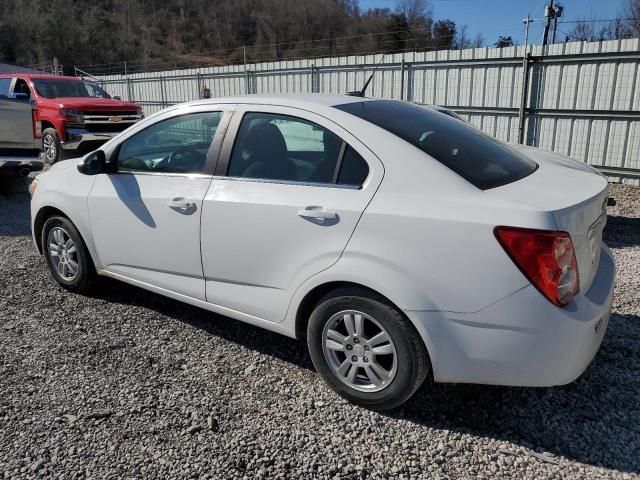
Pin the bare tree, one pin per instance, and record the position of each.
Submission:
(463, 39)
(479, 41)
(413, 10)
(631, 11)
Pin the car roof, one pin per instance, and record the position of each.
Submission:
(295, 100)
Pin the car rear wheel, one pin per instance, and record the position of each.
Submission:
(67, 255)
(51, 146)
(366, 349)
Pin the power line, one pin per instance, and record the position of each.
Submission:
(599, 20)
(295, 42)
(379, 47)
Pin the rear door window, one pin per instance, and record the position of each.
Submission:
(21, 90)
(475, 156)
(290, 149)
(5, 83)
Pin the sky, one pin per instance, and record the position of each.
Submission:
(493, 18)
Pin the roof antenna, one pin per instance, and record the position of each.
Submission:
(360, 93)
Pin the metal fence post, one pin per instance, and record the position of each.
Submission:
(523, 97)
(247, 82)
(129, 89)
(314, 83)
(402, 79)
(162, 97)
(199, 81)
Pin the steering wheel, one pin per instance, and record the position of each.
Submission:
(185, 158)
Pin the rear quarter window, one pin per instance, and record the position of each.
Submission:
(478, 158)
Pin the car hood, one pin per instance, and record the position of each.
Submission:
(97, 104)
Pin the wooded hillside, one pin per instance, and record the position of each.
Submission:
(144, 32)
(157, 34)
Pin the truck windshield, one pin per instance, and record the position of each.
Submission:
(478, 158)
(64, 88)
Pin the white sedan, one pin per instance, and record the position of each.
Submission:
(400, 242)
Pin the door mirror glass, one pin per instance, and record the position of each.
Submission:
(94, 163)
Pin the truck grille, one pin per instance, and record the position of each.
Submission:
(105, 122)
(110, 114)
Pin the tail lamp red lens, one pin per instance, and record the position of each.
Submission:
(546, 258)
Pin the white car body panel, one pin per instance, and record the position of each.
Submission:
(416, 233)
(577, 202)
(137, 235)
(289, 248)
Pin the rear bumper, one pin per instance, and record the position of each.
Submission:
(522, 340)
(15, 166)
(79, 138)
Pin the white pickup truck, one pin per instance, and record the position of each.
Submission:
(20, 138)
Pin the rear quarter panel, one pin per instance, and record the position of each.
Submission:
(426, 239)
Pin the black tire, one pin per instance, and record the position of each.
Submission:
(86, 272)
(413, 363)
(51, 146)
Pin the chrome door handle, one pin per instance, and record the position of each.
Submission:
(319, 213)
(181, 203)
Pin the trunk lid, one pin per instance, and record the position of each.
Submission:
(575, 195)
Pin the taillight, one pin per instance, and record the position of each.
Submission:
(37, 125)
(546, 258)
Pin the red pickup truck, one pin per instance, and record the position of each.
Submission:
(76, 115)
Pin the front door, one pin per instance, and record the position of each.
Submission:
(291, 192)
(145, 218)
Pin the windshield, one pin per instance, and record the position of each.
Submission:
(475, 156)
(65, 88)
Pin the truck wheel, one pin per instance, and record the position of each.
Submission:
(51, 146)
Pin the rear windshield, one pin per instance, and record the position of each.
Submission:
(64, 88)
(475, 156)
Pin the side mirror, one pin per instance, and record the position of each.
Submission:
(95, 163)
(117, 97)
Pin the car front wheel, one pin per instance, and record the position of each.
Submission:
(366, 349)
(66, 255)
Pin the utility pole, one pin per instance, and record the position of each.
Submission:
(527, 21)
(557, 13)
(548, 15)
(551, 12)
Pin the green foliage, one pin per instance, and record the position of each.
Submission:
(504, 42)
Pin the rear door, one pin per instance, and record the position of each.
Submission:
(16, 120)
(290, 189)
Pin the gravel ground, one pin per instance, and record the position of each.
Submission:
(128, 384)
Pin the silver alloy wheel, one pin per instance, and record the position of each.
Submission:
(63, 253)
(50, 147)
(359, 351)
